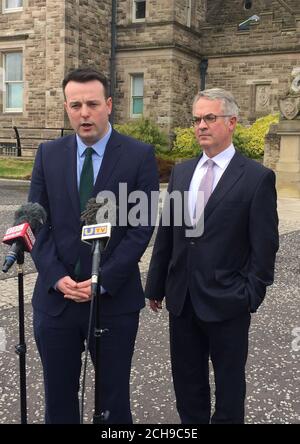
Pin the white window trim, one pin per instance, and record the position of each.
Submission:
(134, 19)
(132, 115)
(10, 10)
(189, 13)
(5, 109)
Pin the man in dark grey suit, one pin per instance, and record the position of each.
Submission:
(214, 281)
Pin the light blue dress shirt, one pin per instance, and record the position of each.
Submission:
(99, 150)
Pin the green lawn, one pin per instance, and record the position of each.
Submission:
(13, 168)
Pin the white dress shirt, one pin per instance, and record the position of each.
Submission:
(221, 162)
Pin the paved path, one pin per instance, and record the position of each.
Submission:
(273, 365)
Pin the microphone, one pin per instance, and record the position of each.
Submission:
(28, 220)
(97, 230)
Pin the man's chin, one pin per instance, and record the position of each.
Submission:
(88, 139)
(204, 143)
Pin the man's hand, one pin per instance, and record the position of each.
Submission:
(155, 305)
(77, 291)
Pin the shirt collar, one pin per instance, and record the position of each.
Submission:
(222, 159)
(99, 147)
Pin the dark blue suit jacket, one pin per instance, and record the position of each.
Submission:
(227, 268)
(58, 244)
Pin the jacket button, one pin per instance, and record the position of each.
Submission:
(192, 243)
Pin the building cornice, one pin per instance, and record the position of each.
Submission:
(259, 52)
(15, 37)
(159, 24)
(152, 47)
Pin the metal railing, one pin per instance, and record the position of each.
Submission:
(14, 144)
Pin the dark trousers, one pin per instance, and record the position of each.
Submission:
(60, 341)
(192, 342)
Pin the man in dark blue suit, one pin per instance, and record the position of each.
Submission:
(61, 298)
(214, 278)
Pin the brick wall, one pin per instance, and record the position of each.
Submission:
(245, 76)
(157, 69)
(232, 11)
(55, 36)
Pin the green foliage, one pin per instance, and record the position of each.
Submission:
(146, 131)
(185, 144)
(251, 141)
(248, 140)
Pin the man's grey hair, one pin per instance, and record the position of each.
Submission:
(229, 104)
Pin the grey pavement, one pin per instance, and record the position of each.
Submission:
(273, 369)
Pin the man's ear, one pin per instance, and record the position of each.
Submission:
(109, 105)
(232, 122)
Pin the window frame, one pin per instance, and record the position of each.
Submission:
(189, 8)
(5, 109)
(134, 10)
(6, 10)
(132, 97)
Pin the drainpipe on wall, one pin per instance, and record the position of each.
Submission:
(113, 56)
(203, 70)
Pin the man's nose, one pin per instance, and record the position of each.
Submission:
(85, 111)
(202, 124)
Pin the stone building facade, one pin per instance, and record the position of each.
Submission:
(160, 47)
(51, 37)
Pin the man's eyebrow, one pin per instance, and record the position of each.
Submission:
(93, 101)
(79, 102)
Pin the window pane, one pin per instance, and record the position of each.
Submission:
(137, 106)
(14, 95)
(13, 4)
(14, 66)
(140, 9)
(138, 86)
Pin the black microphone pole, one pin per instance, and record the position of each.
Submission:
(99, 417)
(28, 218)
(21, 347)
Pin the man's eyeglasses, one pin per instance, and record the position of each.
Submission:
(208, 118)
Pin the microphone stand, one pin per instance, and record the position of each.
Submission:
(100, 417)
(20, 349)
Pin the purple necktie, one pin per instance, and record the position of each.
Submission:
(206, 187)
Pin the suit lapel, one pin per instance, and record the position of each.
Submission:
(184, 186)
(231, 175)
(70, 150)
(110, 159)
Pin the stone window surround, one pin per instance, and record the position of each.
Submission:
(134, 19)
(4, 49)
(4, 10)
(189, 13)
(131, 76)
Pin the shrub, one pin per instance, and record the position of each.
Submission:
(251, 141)
(185, 144)
(146, 131)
